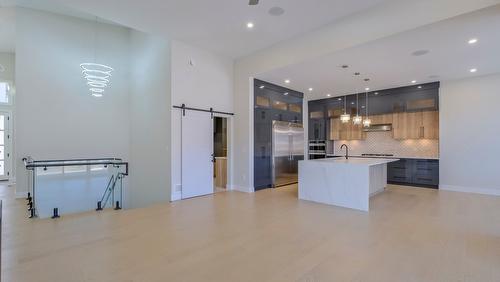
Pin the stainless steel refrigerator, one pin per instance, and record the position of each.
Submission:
(287, 151)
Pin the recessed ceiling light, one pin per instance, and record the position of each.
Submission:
(344, 66)
(250, 25)
(367, 89)
(352, 103)
(287, 81)
(419, 87)
(357, 73)
(366, 79)
(310, 89)
(473, 70)
(262, 87)
(473, 41)
(376, 93)
(276, 11)
(340, 99)
(420, 53)
(286, 93)
(413, 81)
(328, 95)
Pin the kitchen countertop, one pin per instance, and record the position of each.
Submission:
(385, 157)
(355, 161)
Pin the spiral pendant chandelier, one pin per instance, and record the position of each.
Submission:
(98, 76)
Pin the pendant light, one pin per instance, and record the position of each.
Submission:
(357, 119)
(367, 122)
(97, 75)
(345, 118)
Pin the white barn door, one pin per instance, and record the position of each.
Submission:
(197, 150)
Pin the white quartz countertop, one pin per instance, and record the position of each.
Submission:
(354, 161)
(391, 157)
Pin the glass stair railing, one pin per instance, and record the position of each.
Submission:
(58, 187)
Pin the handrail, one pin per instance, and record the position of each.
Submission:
(31, 164)
(71, 160)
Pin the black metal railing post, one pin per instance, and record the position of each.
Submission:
(56, 213)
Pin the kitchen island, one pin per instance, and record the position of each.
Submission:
(343, 182)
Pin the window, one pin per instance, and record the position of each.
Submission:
(4, 93)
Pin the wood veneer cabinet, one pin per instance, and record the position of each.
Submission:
(416, 125)
(430, 123)
(345, 131)
(382, 119)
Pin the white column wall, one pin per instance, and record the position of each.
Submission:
(470, 135)
(150, 110)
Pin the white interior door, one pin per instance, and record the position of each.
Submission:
(4, 146)
(197, 150)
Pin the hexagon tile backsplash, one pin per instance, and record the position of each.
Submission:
(383, 143)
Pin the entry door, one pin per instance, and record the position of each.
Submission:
(197, 154)
(4, 146)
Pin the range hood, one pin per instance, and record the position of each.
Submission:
(378, 127)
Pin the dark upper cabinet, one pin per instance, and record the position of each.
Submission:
(317, 120)
(404, 99)
(413, 98)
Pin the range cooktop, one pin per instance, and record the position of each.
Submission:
(377, 155)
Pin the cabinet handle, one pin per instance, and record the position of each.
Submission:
(427, 169)
(426, 179)
(422, 132)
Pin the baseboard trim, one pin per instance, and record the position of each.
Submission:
(473, 190)
(176, 196)
(21, 195)
(242, 189)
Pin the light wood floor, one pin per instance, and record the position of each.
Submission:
(409, 235)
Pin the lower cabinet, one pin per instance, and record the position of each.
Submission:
(417, 172)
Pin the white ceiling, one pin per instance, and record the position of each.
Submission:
(389, 63)
(7, 30)
(216, 25)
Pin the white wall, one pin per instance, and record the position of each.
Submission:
(470, 135)
(8, 60)
(149, 119)
(208, 83)
(351, 31)
(56, 116)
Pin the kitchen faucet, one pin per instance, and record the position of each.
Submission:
(346, 150)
